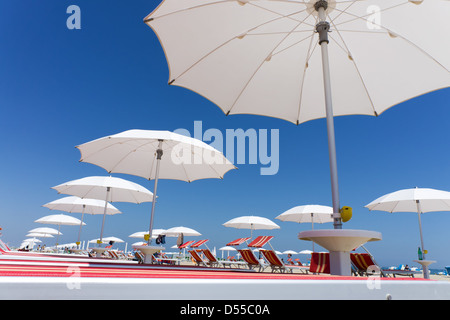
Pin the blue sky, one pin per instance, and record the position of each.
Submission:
(60, 88)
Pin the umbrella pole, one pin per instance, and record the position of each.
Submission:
(323, 28)
(108, 190)
(57, 238)
(81, 224)
(312, 228)
(419, 212)
(159, 154)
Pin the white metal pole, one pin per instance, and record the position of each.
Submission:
(108, 190)
(424, 266)
(159, 154)
(419, 212)
(323, 28)
(81, 224)
(312, 228)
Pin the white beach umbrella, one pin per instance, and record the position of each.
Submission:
(176, 231)
(417, 200)
(74, 204)
(142, 234)
(227, 248)
(252, 223)
(248, 56)
(156, 155)
(308, 214)
(38, 235)
(107, 240)
(32, 240)
(29, 242)
(96, 187)
(311, 213)
(46, 231)
(108, 189)
(290, 252)
(59, 220)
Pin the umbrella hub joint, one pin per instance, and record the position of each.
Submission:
(322, 28)
(321, 4)
(159, 154)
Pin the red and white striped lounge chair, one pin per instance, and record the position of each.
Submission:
(364, 264)
(320, 262)
(212, 261)
(238, 242)
(260, 241)
(197, 258)
(277, 264)
(139, 257)
(186, 244)
(251, 260)
(113, 254)
(199, 243)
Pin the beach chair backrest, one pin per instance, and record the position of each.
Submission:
(4, 247)
(113, 254)
(195, 255)
(272, 258)
(320, 262)
(237, 241)
(260, 241)
(199, 243)
(139, 257)
(186, 244)
(208, 254)
(362, 261)
(248, 256)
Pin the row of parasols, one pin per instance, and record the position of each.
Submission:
(150, 154)
(419, 200)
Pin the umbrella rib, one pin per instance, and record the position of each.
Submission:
(395, 206)
(389, 31)
(127, 154)
(345, 10)
(182, 165)
(262, 63)
(284, 16)
(152, 166)
(308, 57)
(355, 17)
(229, 40)
(346, 49)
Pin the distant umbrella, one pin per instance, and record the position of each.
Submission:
(252, 223)
(109, 189)
(59, 220)
(74, 204)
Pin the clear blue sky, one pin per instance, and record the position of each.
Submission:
(60, 88)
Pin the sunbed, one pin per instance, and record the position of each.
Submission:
(364, 264)
(277, 264)
(251, 260)
(320, 262)
(196, 257)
